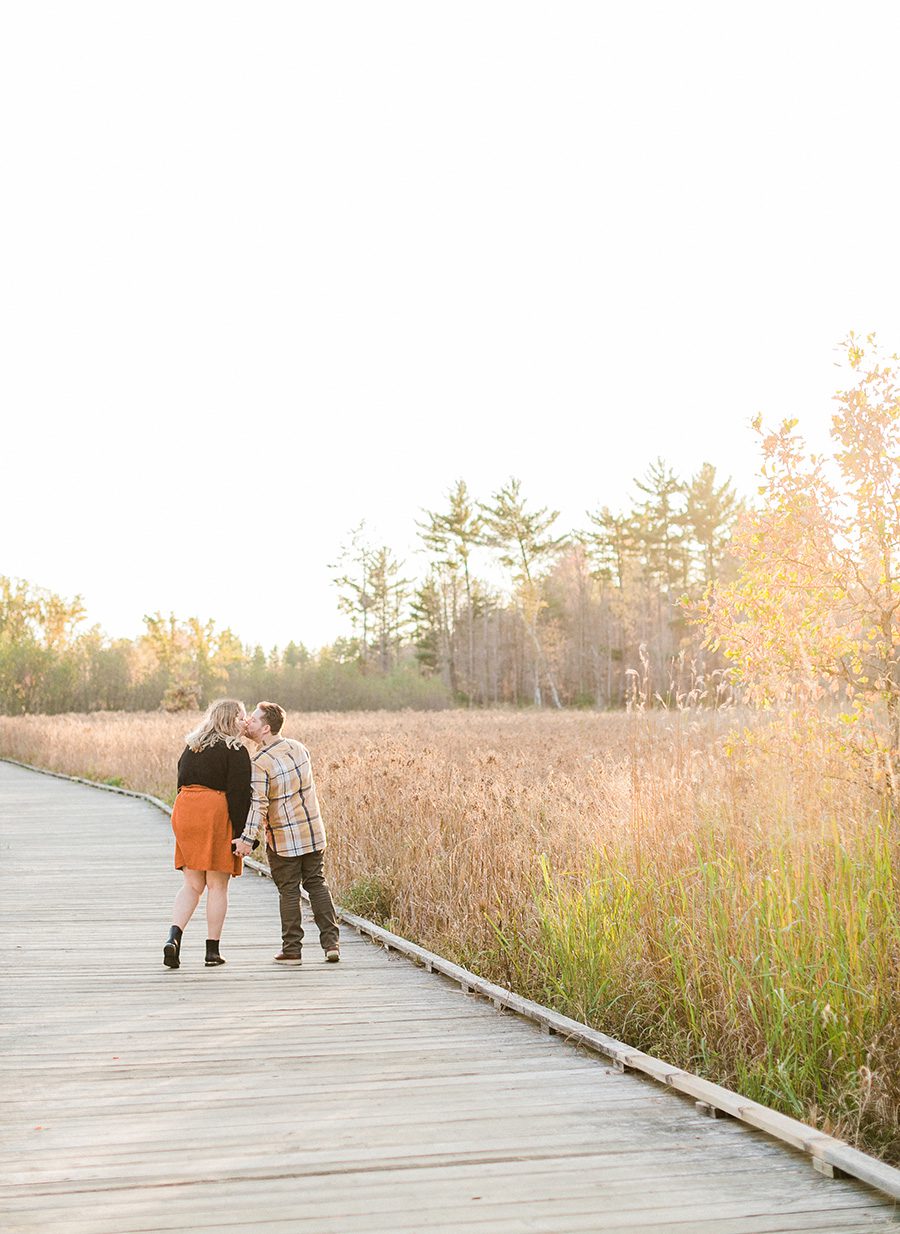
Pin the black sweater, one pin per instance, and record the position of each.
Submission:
(221, 767)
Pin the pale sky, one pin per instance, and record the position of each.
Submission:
(269, 269)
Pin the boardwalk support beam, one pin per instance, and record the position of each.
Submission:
(704, 1107)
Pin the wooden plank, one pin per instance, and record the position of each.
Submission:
(600, 1211)
(477, 1177)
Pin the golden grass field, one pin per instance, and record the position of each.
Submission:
(712, 888)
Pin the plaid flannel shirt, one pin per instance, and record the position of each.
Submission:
(283, 800)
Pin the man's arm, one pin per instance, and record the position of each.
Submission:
(259, 808)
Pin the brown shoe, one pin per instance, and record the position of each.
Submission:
(288, 957)
(333, 955)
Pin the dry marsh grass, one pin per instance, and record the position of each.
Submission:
(726, 901)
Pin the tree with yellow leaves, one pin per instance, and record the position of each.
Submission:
(814, 607)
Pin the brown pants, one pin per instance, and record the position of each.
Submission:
(289, 875)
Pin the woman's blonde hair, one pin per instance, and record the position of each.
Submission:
(219, 724)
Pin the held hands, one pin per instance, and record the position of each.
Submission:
(241, 848)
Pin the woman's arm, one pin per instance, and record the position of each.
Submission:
(181, 779)
(237, 789)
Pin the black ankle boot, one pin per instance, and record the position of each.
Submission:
(172, 949)
(212, 953)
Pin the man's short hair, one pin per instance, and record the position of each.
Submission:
(273, 715)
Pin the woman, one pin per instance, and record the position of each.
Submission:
(210, 811)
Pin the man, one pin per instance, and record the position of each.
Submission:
(284, 805)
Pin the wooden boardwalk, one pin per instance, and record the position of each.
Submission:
(368, 1096)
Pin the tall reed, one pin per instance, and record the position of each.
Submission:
(719, 890)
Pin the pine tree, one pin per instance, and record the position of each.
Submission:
(523, 546)
(452, 536)
(659, 526)
(389, 606)
(355, 585)
(711, 511)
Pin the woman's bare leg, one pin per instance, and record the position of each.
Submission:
(188, 897)
(216, 902)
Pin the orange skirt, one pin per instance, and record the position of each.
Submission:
(203, 831)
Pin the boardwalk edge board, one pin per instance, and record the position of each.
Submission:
(830, 1156)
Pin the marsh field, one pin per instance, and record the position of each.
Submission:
(711, 888)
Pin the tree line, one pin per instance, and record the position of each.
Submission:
(683, 598)
(585, 618)
(507, 610)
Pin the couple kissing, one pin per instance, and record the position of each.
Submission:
(226, 803)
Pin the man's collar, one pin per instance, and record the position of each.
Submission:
(273, 742)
